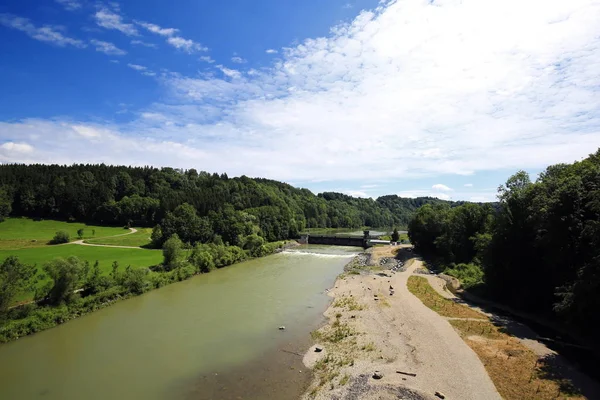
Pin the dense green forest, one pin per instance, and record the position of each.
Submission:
(230, 208)
(538, 251)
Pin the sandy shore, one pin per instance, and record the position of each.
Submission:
(376, 324)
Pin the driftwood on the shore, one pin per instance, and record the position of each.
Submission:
(406, 373)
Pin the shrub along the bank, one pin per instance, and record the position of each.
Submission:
(61, 301)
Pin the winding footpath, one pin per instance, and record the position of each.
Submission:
(131, 232)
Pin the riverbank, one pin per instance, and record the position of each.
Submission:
(381, 342)
(391, 334)
(33, 317)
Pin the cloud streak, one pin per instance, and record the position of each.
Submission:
(47, 33)
(107, 48)
(110, 20)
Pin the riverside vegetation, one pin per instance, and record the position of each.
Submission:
(537, 250)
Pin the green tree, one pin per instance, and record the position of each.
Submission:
(135, 280)
(15, 278)
(61, 237)
(5, 204)
(202, 259)
(80, 233)
(66, 275)
(173, 254)
(395, 235)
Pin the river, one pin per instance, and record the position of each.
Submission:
(214, 336)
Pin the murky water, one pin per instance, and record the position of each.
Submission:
(215, 336)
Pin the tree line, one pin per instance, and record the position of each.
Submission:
(220, 207)
(538, 250)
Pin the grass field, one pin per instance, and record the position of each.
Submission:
(27, 239)
(105, 255)
(21, 233)
(138, 239)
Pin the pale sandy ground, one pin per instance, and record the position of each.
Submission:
(407, 336)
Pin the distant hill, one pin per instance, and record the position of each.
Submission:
(230, 207)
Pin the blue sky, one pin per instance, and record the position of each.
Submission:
(364, 97)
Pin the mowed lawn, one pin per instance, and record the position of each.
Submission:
(20, 233)
(138, 239)
(137, 258)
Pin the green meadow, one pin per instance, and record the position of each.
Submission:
(27, 239)
(20, 233)
(139, 239)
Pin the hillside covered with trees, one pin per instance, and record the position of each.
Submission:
(539, 251)
(198, 206)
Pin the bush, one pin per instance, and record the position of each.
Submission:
(469, 274)
(61, 237)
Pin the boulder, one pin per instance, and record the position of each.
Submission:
(377, 375)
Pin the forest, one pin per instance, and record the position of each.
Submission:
(221, 208)
(538, 250)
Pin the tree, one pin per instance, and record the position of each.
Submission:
(80, 232)
(61, 237)
(395, 235)
(5, 204)
(202, 259)
(66, 275)
(95, 281)
(173, 254)
(15, 278)
(134, 280)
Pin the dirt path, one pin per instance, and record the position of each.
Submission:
(407, 336)
(131, 232)
(528, 338)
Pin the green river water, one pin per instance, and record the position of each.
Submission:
(214, 336)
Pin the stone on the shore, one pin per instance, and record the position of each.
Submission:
(318, 349)
(440, 395)
(377, 375)
(282, 328)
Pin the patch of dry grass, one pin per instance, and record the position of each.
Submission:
(419, 286)
(348, 303)
(516, 371)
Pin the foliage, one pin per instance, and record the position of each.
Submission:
(5, 204)
(80, 233)
(60, 237)
(15, 278)
(195, 205)
(173, 254)
(470, 275)
(65, 275)
(539, 250)
(395, 235)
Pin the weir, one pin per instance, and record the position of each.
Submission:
(354, 241)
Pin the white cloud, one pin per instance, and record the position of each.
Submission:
(47, 33)
(142, 69)
(238, 60)
(356, 193)
(468, 185)
(207, 59)
(409, 90)
(115, 61)
(157, 29)
(69, 5)
(441, 188)
(271, 51)
(142, 43)
(231, 73)
(16, 147)
(479, 199)
(187, 45)
(137, 67)
(110, 20)
(107, 48)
